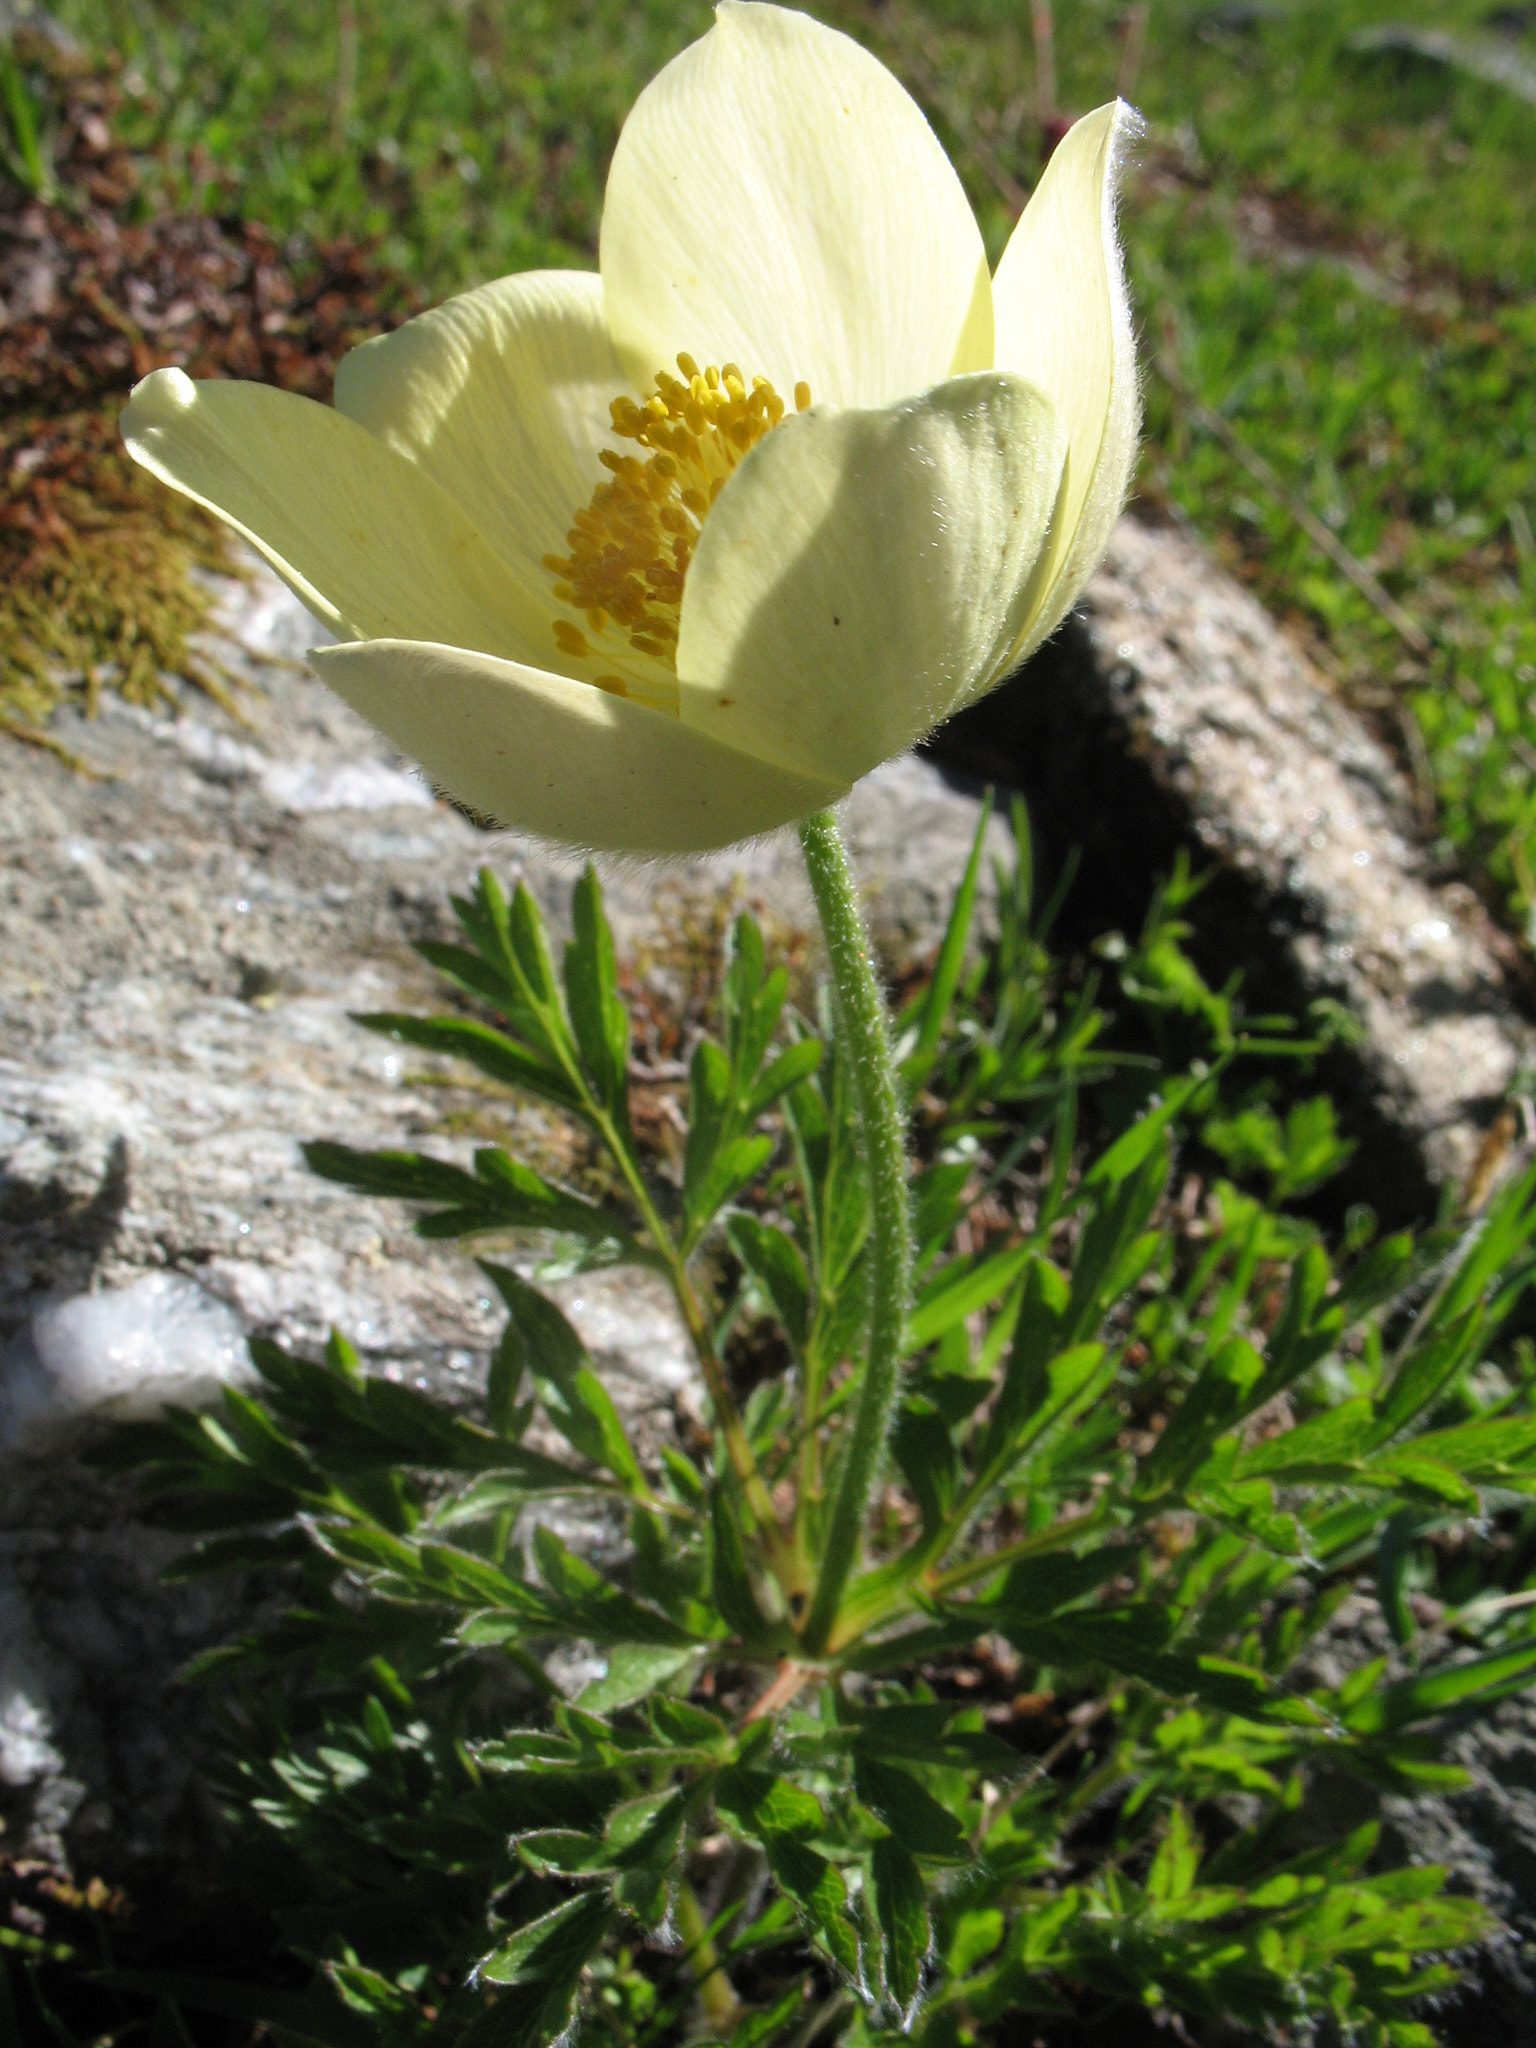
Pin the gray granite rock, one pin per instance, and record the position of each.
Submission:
(181, 944)
(1486, 1837)
(180, 948)
(1172, 710)
(1483, 1834)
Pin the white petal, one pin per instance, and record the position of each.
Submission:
(364, 537)
(862, 570)
(1063, 320)
(502, 396)
(551, 756)
(778, 200)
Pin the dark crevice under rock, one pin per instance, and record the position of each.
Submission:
(1170, 709)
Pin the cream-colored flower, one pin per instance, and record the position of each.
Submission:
(606, 585)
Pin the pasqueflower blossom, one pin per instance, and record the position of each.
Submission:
(663, 556)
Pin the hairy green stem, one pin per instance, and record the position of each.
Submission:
(866, 1043)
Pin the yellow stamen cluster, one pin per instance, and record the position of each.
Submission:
(631, 546)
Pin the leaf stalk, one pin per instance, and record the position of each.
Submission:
(675, 1265)
(721, 2005)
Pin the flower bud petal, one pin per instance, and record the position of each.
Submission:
(561, 758)
(503, 395)
(366, 539)
(864, 571)
(1064, 322)
(778, 200)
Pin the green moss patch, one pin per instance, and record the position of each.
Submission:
(97, 288)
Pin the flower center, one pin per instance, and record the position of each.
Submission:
(631, 546)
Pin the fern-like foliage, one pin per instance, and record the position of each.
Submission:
(1061, 1755)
